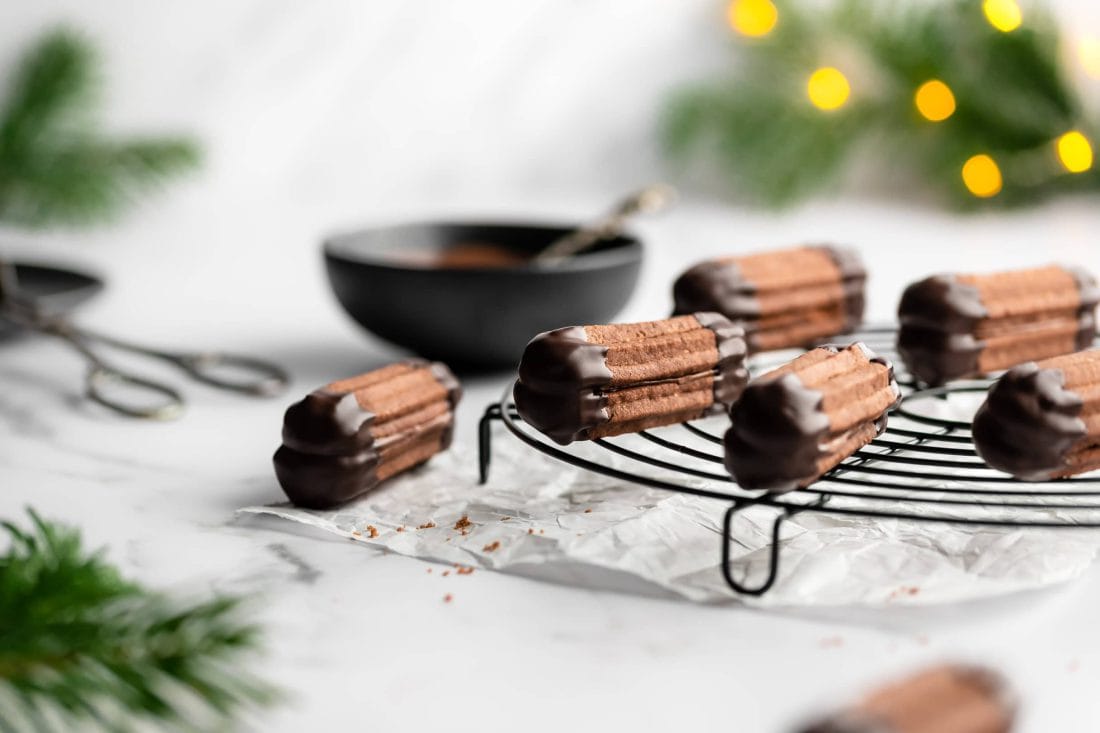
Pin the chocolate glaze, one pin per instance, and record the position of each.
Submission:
(774, 443)
(563, 378)
(719, 286)
(1028, 423)
(938, 316)
(1088, 291)
(731, 374)
(559, 388)
(778, 426)
(328, 455)
(854, 280)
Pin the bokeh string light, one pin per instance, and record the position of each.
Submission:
(935, 100)
(945, 107)
(982, 176)
(1004, 15)
(828, 88)
(753, 18)
(1074, 152)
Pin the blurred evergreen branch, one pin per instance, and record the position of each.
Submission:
(81, 648)
(55, 167)
(759, 132)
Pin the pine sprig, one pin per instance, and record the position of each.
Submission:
(55, 166)
(758, 131)
(83, 648)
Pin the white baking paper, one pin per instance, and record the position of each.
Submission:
(541, 518)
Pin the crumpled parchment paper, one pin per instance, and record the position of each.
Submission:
(542, 518)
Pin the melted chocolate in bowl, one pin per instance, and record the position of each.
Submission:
(465, 255)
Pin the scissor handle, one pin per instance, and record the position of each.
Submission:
(102, 380)
(257, 377)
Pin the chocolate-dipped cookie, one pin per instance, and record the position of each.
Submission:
(944, 699)
(586, 382)
(347, 437)
(782, 298)
(955, 326)
(795, 423)
(1042, 420)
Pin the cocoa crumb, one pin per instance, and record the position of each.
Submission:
(429, 570)
(588, 510)
(465, 571)
(505, 519)
(372, 531)
(426, 525)
(448, 598)
(464, 533)
(400, 529)
(446, 573)
(542, 531)
(463, 523)
(492, 546)
(530, 531)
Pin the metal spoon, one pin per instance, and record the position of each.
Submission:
(649, 200)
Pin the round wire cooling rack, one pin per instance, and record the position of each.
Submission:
(923, 468)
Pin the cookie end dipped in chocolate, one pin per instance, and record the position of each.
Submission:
(586, 382)
(796, 423)
(1029, 423)
(344, 439)
(937, 318)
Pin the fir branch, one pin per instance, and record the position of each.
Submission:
(760, 133)
(82, 647)
(55, 167)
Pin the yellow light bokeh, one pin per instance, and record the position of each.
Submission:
(1004, 15)
(1088, 50)
(828, 88)
(982, 176)
(752, 18)
(1074, 152)
(934, 100)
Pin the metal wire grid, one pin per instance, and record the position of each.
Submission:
(922, 468)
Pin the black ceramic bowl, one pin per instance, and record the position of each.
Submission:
(391, 282)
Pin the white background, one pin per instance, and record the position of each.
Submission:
(320, 115)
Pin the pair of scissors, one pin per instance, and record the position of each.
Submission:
(131, 394)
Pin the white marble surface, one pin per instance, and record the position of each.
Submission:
(363, 638)
(317, 115)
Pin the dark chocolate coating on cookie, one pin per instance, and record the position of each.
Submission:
(938, 316)
(560, 376)
(1028, 423)
(777, 427)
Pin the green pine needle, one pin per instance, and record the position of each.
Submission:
(81, 648)
(759, 133)
(55, 167)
